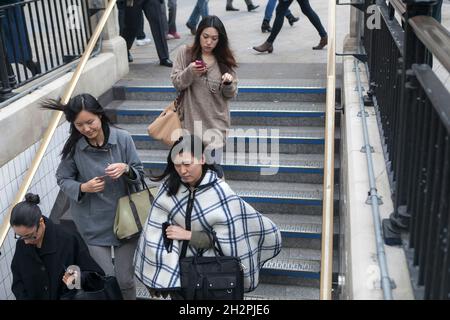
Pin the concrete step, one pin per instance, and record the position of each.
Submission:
(294, 263)
(302, 231)
(242, 113)
(312, 90)
(307, 168)
(304, 140)
(281, 197)
(282, 292)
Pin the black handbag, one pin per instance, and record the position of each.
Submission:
(110, 291)
(211, 278)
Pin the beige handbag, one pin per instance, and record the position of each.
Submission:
(167, 127)
(132, 212)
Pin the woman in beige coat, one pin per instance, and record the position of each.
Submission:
(205, 71)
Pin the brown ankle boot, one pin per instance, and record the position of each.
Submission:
(266, 46)
(323, 42)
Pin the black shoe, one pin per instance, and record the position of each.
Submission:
(292, 19)
(265, 27)
(166, 62)
(231, 8)
(252, 7)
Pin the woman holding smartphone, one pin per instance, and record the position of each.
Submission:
(99, 162)
(205, 71)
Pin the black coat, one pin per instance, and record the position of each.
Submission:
(39, 277)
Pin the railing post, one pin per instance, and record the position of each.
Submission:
(413, 52)
(7, 77)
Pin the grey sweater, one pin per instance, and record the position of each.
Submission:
(94, 213)
(205, 99)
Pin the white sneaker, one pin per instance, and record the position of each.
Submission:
(143, 42)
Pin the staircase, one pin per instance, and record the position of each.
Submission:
(270, 110)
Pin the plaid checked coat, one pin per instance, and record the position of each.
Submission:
(241, 230)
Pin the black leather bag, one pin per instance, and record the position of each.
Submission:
(211, 278)
(110, 291)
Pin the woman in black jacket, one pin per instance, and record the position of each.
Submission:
(44, 251)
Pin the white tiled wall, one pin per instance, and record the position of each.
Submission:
(44, 184)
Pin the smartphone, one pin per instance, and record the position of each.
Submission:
(200, 63)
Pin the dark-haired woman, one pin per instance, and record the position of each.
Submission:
(205, 71)
(99, 162)
(191, 188)
(43, 253)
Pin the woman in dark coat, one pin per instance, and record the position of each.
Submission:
(43, 253)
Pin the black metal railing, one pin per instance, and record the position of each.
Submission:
(39, 36)
(414, 110)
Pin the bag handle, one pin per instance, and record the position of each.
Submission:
(137, 220)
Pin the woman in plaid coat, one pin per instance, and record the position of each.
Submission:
(191, 187)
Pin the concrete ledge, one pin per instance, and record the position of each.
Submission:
(362, 278)
(22, 123)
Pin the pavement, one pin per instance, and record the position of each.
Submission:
(292, 48)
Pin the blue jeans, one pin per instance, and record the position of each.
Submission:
(270, 7)
(200, 9)
(283, 5)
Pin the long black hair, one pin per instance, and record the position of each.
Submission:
(187, 143)
(81, 102)
(26, 213)
(222, 51)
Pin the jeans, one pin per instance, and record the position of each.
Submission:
(283, 5)
(270, 7)
(200, 9)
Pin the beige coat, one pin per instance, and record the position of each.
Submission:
(205, 99)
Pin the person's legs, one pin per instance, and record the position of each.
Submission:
(279, 19)
(250, 5)
(312, 16)
(131, 22)
(140, 31)
(193, 19)
(164, 17)
(172, 4)
(125, 269)
(204, 9)
(121, 16)
(152, 10)
(270, 7)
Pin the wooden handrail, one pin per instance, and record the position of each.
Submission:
(4, 227)
(326, 268)
(434, 36)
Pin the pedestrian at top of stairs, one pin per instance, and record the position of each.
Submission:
(205, 71)
(282, 6)
(191, 187)
(270, 7)
(99, 165)
(154, 15)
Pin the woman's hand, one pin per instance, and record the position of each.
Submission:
(70, 278)
(227, 78)
(198, 69)
(116, 170)
(94, 185)
(178, 233)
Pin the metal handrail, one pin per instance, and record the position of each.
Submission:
(434, 36)
(4, 227)
(326, 268)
